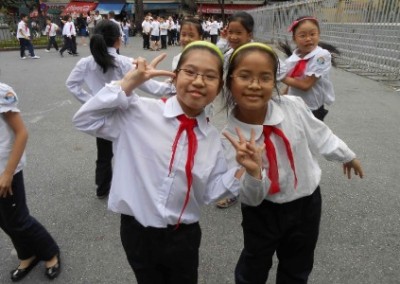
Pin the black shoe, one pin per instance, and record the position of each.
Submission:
(55, 270)
(20, 273)
(70, 52)
(102, 194)
(61, 54)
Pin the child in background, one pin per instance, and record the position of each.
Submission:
(31, 240)
(287, 219)
(158, 192)
(51, 32)
(103, 66)
(309, 66)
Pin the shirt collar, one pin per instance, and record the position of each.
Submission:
(274, 116)
(295, 56)
(112, 51)
(174, 109)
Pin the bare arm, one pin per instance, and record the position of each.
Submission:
(301, 84)
(16, 123)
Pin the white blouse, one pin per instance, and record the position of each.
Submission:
(319, 65)
(308, 137)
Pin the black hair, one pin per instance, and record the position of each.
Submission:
(245, 19)
(106, 33)
(302, 19)
(22, 15)
(193, 21)
(184, 55)
(233, 63)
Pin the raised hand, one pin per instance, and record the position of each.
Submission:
(142, 72)
(248, 153)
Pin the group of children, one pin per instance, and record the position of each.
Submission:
(266, 153)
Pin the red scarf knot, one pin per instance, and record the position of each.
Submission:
(299, 69)
(273, 173)
(187, 124)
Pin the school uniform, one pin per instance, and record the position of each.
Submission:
(28, 236)
(149, 186)
(287, 219)
(317, 63)
(163, 34)
(214, 28)
(51, 31)
(67, 35)
(146, 28)
(23, 35)
(88, 72)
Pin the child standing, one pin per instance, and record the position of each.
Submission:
(51, 32)
(103, 66)
(287, 219)
(309, 66)
(31, 240)
(159, 193)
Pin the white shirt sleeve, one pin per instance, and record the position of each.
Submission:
(320, 64)
(76, 80)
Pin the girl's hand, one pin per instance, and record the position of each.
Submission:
(143, 72)
(248, 153)
(224, 32)
(353, 164)
(5, 185)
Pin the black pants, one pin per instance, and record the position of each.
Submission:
(25, 44)
(28, 236)
(161, 255)
(52, 42)
(163, 41)
(320, 113)
(103, 165)
(146, 41)
(290, 229)
(67, 44)
(214, 39)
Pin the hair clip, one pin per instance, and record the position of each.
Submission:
(296, 22)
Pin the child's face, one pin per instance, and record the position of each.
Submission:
(237, 35)
(253, 82)
(306, 37)
(188, 34)
(194, 91)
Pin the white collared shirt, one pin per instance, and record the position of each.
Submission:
(308, 137)
(7, 137)
(23, 30)
(67, 28)
(143, 131)
(319, 65)
(51, 29)
(88, 72)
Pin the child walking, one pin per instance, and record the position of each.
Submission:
(31, 240)
(287, 219)
(168, 162)
(104, 66)
(308, 67)
(51, 32)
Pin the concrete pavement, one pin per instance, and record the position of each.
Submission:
(360, 227)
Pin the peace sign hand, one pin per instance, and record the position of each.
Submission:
(248, 153)
(142, 72)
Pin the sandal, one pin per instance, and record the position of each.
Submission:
(227, 202)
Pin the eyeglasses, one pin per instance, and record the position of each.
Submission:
(207, 78)
(247, 79)
(305, 35)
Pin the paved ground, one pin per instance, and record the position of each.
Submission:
(359, 238)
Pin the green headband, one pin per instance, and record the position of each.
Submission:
(250, 45)
(205, 44)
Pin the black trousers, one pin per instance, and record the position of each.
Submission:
(25, 44)
(103, 165)
(163, 41)
(52, 42)
(320, 113)
(28, 236)
(290, 229)
(68, 44)
(161, 255)
(146, 41)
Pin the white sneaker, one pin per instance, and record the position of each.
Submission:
(35, 57)
(23, 57)
(47, 50)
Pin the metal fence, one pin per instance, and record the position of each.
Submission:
(366, 32)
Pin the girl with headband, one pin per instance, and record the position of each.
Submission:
(287, 216)
(168, 162)
(308, 67)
